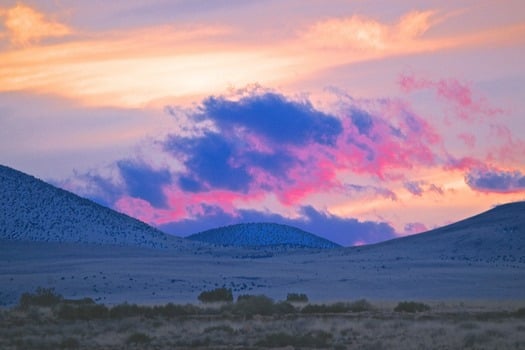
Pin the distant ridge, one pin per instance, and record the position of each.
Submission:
(262, 235)
(32, 210)
(497, 234)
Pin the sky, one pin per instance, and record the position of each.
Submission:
(356, 120)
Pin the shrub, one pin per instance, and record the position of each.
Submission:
(82, 312)
(42, 297)
(360, 305)
(520, 312)
(326, 309)
(83, 301)
(249, 305)
(171, 310)
(69, 343)
(317, 339)
(297, 298)
(216, 295)
(411, 306)
(138, 338)
(284, 308)
(127, 310)
(220, 329)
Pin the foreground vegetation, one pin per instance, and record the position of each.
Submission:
(46, 320)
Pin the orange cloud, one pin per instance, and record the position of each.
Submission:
(358, 32)
(135, 67)
(26, 25)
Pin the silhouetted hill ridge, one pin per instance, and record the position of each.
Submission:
(33, 210)
(262, 235)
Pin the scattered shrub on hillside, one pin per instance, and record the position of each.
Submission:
(297, 298)
(216, 295)
(138, 338)
(42, 297)
(411, 306)
(316, 339)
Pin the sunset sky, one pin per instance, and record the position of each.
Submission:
(356, 120)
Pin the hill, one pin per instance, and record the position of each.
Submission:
(495, 235)
(32, 210)
(262, 235)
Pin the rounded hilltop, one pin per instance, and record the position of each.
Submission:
(262, 235)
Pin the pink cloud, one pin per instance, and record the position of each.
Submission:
(466, 106)
(468, 139)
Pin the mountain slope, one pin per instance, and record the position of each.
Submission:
(32, 210)
(495, 235)
(260, 235)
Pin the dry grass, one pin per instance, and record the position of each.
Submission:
(444, 326)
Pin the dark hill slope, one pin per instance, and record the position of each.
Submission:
(32, 210)
(262, 235)
(497, 234)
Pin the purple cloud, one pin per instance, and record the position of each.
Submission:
(414, 187)
(492, 180)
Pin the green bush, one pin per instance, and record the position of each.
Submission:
(83, 301)
(284, 308)
(250, 305)
(360, 305)
(126, 310)
(411, 306)
(216, 295)
(82, 312)
(46, 297)
(220, 329)
(520, 312)
(297, 298)
(326, 309)
(69, 343)
(138, 338)
(171, 310)
(316, 339)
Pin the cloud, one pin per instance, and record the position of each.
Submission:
(262, 152)
(415, 227)
(414, 187)
(344, 231)
(141, 181)
(363, 33)
(257, 143)
(493, 180)
(25, 25)
(459, 94)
